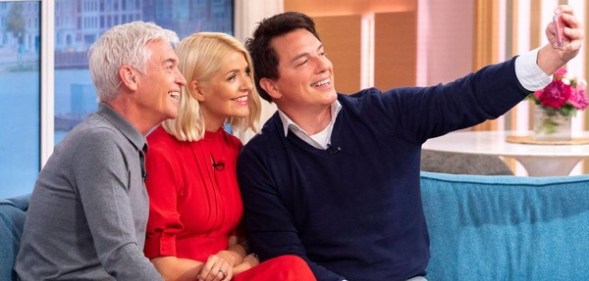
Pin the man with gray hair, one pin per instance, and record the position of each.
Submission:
(89, 208)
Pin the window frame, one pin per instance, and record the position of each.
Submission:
(47, 77)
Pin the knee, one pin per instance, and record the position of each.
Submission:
(293, 268)
(284, 268)
(290, 261)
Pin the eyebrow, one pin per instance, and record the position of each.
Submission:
(305, 54)
(232, 71)
(170, 60)
(237, 69)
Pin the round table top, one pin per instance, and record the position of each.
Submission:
(494, 143)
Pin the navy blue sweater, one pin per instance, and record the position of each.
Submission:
(357, 214)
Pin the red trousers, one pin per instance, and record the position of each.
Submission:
(283, 268)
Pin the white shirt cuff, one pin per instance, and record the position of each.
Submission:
(528, 72)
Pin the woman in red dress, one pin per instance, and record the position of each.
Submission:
(194, 230)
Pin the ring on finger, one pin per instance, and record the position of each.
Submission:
(222, 272)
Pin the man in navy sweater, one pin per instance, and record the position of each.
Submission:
(335, 178)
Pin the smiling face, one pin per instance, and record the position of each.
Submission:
(306, 80)
(158, 88)
(227, 93)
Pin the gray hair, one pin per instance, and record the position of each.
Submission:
(120, 45)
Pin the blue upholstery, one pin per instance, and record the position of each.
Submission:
(507, 227)
(12, 218)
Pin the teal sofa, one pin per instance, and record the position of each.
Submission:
(507, 227)
(481, 228)
(12, 218)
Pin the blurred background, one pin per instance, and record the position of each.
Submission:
(45, 86)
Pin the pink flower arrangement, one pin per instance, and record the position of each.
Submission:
(564, 95)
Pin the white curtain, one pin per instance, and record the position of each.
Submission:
(248, 13)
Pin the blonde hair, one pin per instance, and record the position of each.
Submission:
(200, 57)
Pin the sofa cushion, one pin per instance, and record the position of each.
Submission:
(12, 218)
(507, 227)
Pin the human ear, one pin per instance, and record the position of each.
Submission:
(196, 91)
(271, 87)
(128, 77)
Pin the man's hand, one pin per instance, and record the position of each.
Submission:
(555, 55)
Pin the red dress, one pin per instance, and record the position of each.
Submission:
(195, 203)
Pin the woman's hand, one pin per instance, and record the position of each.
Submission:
(248, 262)
(216, 268)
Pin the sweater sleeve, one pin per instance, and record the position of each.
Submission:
(162, 186)
(423, 113)
(103, 177)
(271, 234)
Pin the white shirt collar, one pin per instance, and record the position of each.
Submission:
(319, 140)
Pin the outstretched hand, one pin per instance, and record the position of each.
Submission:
(572, 31)
(555, 55)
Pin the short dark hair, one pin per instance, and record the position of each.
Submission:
(265, 58)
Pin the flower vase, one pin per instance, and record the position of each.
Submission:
(550, 125)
